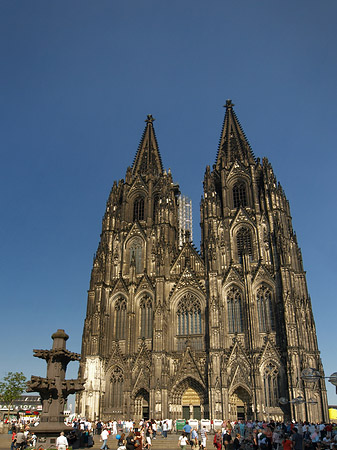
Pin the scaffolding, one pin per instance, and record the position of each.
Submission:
(185, 220)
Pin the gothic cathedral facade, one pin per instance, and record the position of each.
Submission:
(224, 333)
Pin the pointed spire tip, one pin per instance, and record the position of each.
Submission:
(229, 104)
(150, 119)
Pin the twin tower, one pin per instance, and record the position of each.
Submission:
(223, 333)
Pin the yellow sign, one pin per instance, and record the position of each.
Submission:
(332, 414)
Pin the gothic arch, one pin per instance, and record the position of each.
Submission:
(240, 385)
(270, 382)
(135, 251)
(244, 235)
(234, 309)
(237, 179)
(118, 317)
(182, 292)
(137, 192)
(145, 307)
(114, 391)
(177, 391)
(264, 300)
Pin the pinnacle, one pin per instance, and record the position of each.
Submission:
(148, 160)
(233, 145)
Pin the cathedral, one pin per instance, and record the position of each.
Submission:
(224, 333)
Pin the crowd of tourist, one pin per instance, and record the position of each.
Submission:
(239, 435)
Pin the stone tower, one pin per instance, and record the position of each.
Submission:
(224, 333)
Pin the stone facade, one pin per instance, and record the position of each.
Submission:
(224, 333)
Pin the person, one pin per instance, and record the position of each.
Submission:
(236, 442)
(165, 428)
(286, 443)
(62, 442)
(148, 435)
(226, 439)
(194, 438)
(203, 435)
(13, 444)
(20, 440)
(183, 441)
(138, 440)
(121, 442)
(217, 441)
(297, 440)
(104, 438)
(130, 441)
(187, 429)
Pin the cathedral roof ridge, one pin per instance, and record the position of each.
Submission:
(233, 143)
(148, 160)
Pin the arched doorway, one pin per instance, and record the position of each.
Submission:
(188, 400)
(191, 405)
(240, 404)
(141, 405)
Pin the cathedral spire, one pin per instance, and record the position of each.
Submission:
(148, 160)
(233, 145)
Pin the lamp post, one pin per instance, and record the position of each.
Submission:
(313, 375)
(297, 401)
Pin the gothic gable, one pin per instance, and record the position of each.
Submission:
(242, 218)
(145, 285)
(188, 256)
(237, 355)
(269, 352)
(232, 276)
(237, 169)
(188, 279)
(239, 377)
(188, 368)
(116, 357)
(143, 360)
(263, 274)
(137, 185)
(120, 286)
(135, 230)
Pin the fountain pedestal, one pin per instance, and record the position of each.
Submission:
(54, 390)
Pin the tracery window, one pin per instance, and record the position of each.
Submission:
(271, 385)
(155, 209)
(189, 315)
(265, 310)
(146, 317)
(239, 194)
(136, 250)
(244, 242)
(138, 209)
(234, 310)
(120, 316)
(116, 388)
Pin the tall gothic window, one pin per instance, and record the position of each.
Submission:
(146, 315)
(138, 209)
(244, 242)
(234, 309)
(265, 310)
(116, 388)
(155, 209)
(120, 316)
(270, 384)
(136, 250)
(239, 194)
(189, 315)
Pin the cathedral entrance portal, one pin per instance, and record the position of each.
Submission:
(188, 401)
(240, 405)
(142, 405)
(191, 405)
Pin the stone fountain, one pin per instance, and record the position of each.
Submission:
(54, 390)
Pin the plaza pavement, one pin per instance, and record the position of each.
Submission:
(157, 444)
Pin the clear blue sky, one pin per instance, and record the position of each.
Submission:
(77, 80)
